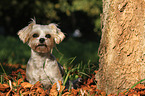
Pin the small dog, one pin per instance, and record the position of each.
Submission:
(42, 65)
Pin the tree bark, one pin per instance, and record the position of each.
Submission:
(122, 46)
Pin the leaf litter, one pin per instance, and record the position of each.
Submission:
(15, 84)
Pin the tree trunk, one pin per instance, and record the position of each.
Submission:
(122, 46)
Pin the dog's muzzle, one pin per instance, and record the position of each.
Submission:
(41, 45)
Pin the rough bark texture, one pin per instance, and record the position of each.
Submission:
(122, 47)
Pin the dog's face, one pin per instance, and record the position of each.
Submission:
(41, 38)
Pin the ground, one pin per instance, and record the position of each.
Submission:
(15, 84)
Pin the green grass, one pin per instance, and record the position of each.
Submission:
(83, 54)
(13, 51)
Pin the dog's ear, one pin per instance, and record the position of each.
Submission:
(24, 33)
(58, 35)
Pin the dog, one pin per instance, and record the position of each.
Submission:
(42, 65)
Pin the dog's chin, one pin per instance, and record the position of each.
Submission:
(42, 48)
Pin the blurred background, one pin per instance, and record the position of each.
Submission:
(78, 19)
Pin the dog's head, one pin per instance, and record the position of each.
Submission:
(41, 38)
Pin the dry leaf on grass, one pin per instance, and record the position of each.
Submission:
(19, 87)
(20, 81)
(53, 90)
(61, 86)
(3, 87)
(26, 85)
(140, 86)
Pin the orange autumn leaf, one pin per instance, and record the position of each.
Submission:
(140, 86)
(3, 87)
(66, 94)
(96, 71)
(6, 77)
(86, 87)
(90, 80)
(91, 92)
(27, 93)
(134, 94)
(23, 66)
(6, 85)
(93, 86)
(98, 91)
(74, 91)
(26, 85)
(14, 84)
(103, 93)
(61, 86)
(20, 80)
(142, 93)
(40, 90)
(37, 84)
(53, 90)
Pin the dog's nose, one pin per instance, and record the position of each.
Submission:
(41, 40)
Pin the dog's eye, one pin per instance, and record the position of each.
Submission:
(48, 36)
(35, 35)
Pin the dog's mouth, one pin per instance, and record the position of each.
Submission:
(41, 46)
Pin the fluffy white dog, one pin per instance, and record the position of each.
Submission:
(42, 65)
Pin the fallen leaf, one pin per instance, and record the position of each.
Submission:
(66, 94)
(3, 87)
(53, 90)
(37, 84)
(96, 71)
(87, 88)
(135, 95)
(103, 93)
(6, 85)
(2, 94)
(14, 84)
(20, 80)
(140, 86)
(26, 85)
(27, 93)
(40, 90)
(61, 86)
(23, 66)
(74, 91)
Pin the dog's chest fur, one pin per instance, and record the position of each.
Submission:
(44, 68)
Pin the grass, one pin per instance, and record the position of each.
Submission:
(12, 51)
(71, 53)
